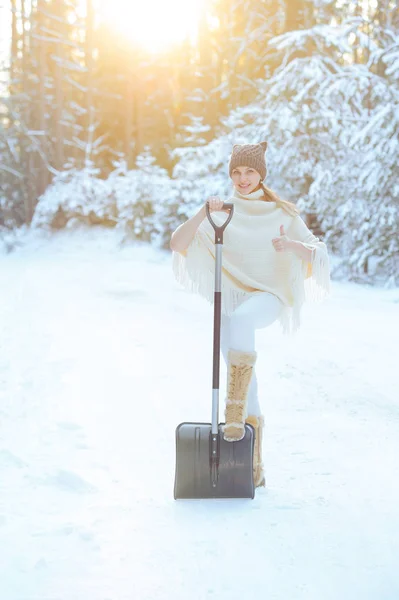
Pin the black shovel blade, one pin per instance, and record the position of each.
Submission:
(196, 476)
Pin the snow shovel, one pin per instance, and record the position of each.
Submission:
(206, 465)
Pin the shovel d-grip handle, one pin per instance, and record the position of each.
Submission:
(219, 229)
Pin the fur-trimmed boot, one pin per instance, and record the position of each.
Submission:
(258, 424)
(239, 372)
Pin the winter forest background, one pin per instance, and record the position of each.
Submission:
(105, 120)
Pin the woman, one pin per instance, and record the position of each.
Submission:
(271, 264)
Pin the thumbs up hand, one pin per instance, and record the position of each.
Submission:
(282, 243)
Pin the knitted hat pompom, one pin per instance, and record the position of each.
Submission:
(249, 155)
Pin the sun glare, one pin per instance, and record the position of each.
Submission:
(154, 24)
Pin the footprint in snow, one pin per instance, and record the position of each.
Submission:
(70, 482)
(69, 426)
(8, 459)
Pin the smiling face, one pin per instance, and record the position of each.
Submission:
(245, 179)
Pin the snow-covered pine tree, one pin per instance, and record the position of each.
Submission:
(141, 197)
(74, 196)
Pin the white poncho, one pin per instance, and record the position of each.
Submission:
(250, 264)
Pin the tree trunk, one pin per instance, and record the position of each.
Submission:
(59, 141)
(294, 14)
(14, 48)
(129, 119)
(25, 162)
(43, 173)
(89, 80)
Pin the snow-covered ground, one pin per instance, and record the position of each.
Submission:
(102, 354)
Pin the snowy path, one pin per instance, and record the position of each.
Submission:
(102, 354)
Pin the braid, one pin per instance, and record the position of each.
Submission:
(266, 195)
(271, 196)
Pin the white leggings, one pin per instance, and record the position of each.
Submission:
(238, 332)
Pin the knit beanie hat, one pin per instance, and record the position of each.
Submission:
(249, 155)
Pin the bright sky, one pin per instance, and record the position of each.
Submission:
(155, 24)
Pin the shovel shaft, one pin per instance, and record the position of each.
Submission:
(217, 312)
(217, 318)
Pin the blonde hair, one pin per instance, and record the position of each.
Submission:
(271, 196)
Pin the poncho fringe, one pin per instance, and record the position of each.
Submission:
(198, 278)
(310, 282)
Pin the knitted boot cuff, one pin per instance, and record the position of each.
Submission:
(240, 358)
